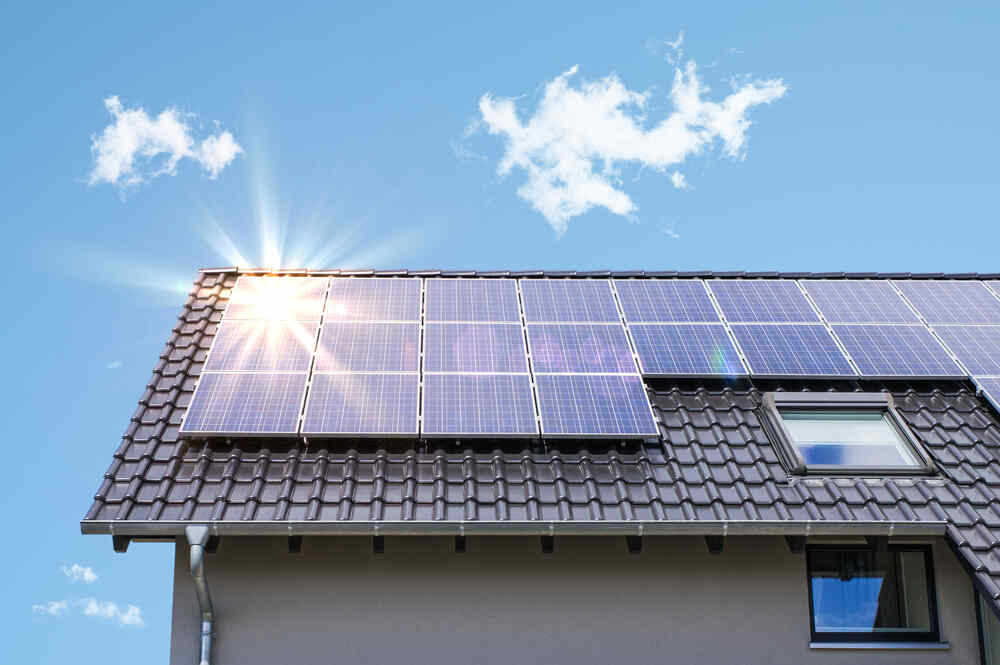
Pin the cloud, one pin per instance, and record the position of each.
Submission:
(136, 148)
(573, 147)
(52, 608)
(78, 573)
(679, 181)
(131, 616)
(114, 364)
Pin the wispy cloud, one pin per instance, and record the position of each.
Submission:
(136, 147)
(114, 364)
(580, 135)
(107, 610)
(52, 608)
(78, 573)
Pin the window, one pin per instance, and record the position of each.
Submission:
(842, 433)
(860, 594)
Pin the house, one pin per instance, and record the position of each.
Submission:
(432, 467)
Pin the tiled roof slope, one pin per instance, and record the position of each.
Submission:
(714, 465)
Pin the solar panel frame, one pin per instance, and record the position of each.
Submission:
(576, 348)
(569, 301)
(475, 348)
(455, 299)
(896, 351)
(368, 346)
(859, 301)
(760, 344)
(374, 299)
(762, 301)
(952, 301)
(581, 394)
(686, 349)
(326, 402)
(666, 301)
(989, 387)
(976, 347)
(228, 392)
(292, 298)
(289, 346)
(438, 413)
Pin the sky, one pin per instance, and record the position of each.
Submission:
(143, 142)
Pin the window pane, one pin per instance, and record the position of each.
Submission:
(846, 438)
(862, 591)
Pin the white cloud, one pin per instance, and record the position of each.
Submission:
(136, 147)
(131, 616)
(114, 364)
(78, 573)
(574, 145)
(52, 608)
(679, 181)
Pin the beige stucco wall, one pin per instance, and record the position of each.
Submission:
(504, 602)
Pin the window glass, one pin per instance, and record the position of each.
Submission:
(847, 438)
(867, 592)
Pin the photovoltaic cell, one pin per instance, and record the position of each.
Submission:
(665, 300)
(246, 404)
(277, 298)
(978, 347)
(686, 349)
(762, 301)
(859, 301)
(890, 350)
(580, 348)
(262, 346)
(362, 404)
(952, 301)
(478, 404)
(790, 350)
(474, 347)
(594, 405)
(568, 300)
(472, 300)
(373, 299)
(369, 347)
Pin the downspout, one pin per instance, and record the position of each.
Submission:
(197, 537)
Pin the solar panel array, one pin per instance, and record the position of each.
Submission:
(476, 378)
(448, 357)
(587, 380)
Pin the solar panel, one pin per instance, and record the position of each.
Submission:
(891, 350)
(859, 301)
(246, 404)
(977, 347)
(568, 300)
(369, 347)
(952, 301)
(362, 404)
(990, 387)
(665, 300)
(262, 346)
(790, 350)
(374, 299)
(580, 348)
(277, 298)
(478, 405)
(584, 405)
(472, 300)
(686, 349)
(762, 301)
(474, 347)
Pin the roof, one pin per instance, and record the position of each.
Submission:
(713, 473)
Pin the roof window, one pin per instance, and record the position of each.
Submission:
(843, 433)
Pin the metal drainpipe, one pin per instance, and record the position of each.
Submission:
(197, 537)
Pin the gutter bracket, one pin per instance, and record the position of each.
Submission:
(198, 538)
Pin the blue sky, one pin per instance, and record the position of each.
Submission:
(364, 144)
